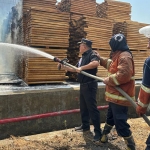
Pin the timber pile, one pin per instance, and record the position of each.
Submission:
(39, 69)
(99, 31)
(87, 7)
(46, 4)
(114, 10)
(44, 28)
(84, 7)
(135, 40)
(139, 58)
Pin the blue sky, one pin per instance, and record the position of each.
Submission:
(140, 10)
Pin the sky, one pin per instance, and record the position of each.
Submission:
(140, 10)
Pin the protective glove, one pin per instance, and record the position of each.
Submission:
(140, 110)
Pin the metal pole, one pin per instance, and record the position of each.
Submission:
(116, 87)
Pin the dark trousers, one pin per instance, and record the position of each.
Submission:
(88, 106)
(148, 143)
(117, 115)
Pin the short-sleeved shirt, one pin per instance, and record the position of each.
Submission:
(87, 57)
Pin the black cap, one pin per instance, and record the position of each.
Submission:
(86, 41)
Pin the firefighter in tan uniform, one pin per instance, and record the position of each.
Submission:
(121, 72)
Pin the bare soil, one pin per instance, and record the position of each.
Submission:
(69, 139)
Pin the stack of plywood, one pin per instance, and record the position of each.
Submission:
(114, 10)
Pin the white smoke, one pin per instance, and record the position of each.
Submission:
(8, 57)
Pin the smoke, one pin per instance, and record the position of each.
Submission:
(9, 33)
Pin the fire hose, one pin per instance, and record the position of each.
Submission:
(64, 62)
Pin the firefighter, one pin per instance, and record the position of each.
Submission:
(144, 94)
(121, 72)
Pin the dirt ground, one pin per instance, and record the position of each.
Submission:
(69, 139)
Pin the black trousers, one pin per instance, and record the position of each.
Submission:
(88, 106)
(117, 115)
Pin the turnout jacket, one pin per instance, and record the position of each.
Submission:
(120, 73)
(144, 94)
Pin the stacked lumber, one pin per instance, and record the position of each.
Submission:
(114, 10)
(44, 28)
(135, 40)
(38, 69)
(139, 58)
(99, 31)
(133, 37)
(86, 7)
(46, 4)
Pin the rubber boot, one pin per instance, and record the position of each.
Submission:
(130, 143)
(106, 131)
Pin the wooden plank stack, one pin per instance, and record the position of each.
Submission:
(45, 4)
(39, 69)
(46, 29)
(99, 31)
(114, 10)
(139, 58)
(135, 40)
(84, 7)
